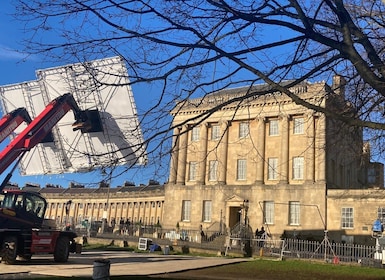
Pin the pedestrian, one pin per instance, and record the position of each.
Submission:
(203, 236)
(121, 226)
(262, 236)
(262, 233)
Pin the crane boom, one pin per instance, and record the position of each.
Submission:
(39, 127)
(12, 120)
(22, 229)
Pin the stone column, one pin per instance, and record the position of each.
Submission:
(182, 156)
(92, 211)
(261, 138)
(109, 211)
(62, 212)
(133, 211)
(159, 211)
(320, 145)
(310, 156)
(174, 155)
(125, 210)
(138, 211)
(203, 154)
(156, 212)
(149, 212)
(223, 151)
(284, 158)
(49, 210)
(76, 212)
(121, 210)
(97, 210)
(85, 210)
(144, 212)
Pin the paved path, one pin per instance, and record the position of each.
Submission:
(122, 263)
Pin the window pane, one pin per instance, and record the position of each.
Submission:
(213, 169)
(294, 212)
(186, 210)
(215, 132)
(272, 169)
(207, 210)
(298, 125)
(243, 129)
(273, 127)
(381, 214)
(195, 134)
(193, 170)
(241, 169)
(298, 168)
(268, 210)
(347, 217)
(371, 175)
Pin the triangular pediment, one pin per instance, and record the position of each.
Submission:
(235, 198)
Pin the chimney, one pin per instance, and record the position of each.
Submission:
(338, 86)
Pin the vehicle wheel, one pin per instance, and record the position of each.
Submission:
(9, 250)
(62, 249)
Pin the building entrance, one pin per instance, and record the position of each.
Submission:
(235, 216)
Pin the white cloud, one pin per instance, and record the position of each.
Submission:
(7, 53)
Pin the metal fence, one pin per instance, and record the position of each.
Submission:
(329, 251)
(283, 248)
(304, 249)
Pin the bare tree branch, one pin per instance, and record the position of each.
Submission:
(188, 49)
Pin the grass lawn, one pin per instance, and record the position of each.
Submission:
(286, 270)
(267, 270)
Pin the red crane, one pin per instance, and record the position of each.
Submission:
(11, 121)
(41, 126)
(22, 228)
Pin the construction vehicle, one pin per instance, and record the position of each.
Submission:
(23, 228)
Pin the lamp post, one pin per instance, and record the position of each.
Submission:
(106, 210)
(246, 244)
(107, 184)
(221, 223)
(245, 206)
(67, 209)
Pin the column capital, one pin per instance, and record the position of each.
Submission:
(261, 119)
(225, 123)
(283, 116)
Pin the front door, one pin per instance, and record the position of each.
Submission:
(235, 216)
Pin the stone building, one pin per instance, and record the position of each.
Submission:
(137, 204)
(263, 160)
(257, 161)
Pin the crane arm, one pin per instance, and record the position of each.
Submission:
(37, 130)
(12, 120)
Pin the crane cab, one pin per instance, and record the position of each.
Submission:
(21, 209)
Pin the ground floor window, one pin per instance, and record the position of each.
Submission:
(186, 210)
(294, 213)
(207, 210)
(347, 217)
(268, 212)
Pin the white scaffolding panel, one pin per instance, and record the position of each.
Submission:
(100, 84)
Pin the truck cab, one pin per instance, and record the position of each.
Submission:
(21, 209)
(23, 231)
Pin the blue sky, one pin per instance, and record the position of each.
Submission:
(13, 68)
(16, 69)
